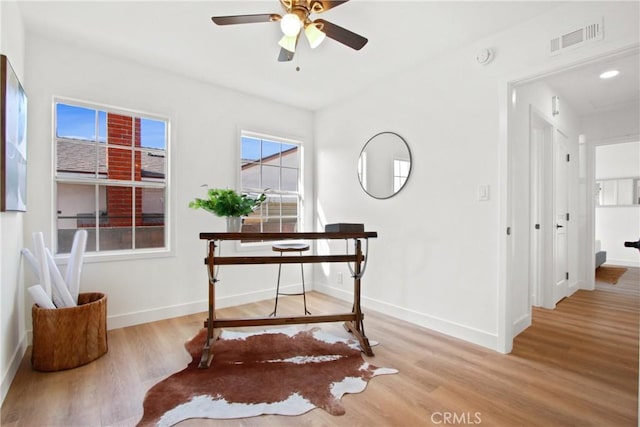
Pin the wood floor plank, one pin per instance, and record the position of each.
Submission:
(576, 365)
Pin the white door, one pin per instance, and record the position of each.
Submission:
(542, 218)
(561, 217)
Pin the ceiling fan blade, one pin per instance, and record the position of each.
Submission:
(319, 6)
(245, 19)
(285, 55)
(342, 35)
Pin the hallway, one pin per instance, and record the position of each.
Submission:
(590, 342)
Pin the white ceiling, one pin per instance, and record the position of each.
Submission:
(588, 94)
(180, 37)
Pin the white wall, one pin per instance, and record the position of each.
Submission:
(205, 123)
(614, 126)
(437, 259)
(12, 325)
(617, 224)
(618, 160)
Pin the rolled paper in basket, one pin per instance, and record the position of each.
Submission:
(41, 257)
(61, 294)
(74, 267)
(40, 297)
(31, 260)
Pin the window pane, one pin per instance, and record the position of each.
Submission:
(119, 163)
(253, 222)
(76, 158)
(290, 156)
(271, 153)
(250, 150)
(153, 165)
(137, 165)
(153, 134)
(102, 126)
(150, 234)
(271, 208)
(289, 213)
(117, 231)
(289, 179)
(120, 129)
(75, 122)
(250, 176)
(76, 208)
(272, 227)
(102, 161)
(271, 177)
(290, 206)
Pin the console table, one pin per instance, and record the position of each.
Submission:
(353, 320)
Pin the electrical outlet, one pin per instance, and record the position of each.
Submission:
(339, 277)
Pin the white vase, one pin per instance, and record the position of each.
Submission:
(234, 224)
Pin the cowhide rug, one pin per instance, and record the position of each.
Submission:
(283, 371)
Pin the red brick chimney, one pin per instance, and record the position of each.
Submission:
(121, 132)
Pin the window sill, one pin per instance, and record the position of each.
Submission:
(96, 257)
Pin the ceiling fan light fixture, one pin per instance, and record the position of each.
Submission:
(288, 43)
(314, 35)
(290, 24)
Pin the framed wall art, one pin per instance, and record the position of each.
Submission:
(13, 140)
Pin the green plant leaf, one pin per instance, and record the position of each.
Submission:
(226, 202)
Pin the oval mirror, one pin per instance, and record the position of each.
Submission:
(384, 165)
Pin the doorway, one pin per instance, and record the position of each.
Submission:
(550, 214)
(573, 245)
(617, 201)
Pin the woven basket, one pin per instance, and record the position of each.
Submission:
(66, 338)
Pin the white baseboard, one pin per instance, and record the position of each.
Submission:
(447, 327)
(14, 364)
(574, 286)
(521, 324)
(152, 315)
(623, 262)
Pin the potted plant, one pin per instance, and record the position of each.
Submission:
(227, 203)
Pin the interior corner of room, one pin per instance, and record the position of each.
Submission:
(515, 166)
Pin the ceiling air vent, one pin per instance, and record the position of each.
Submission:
(576, 38)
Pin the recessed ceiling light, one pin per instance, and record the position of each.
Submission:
(609, 74)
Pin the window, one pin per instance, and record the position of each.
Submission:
(271, 165)
(110, 178)
(400, 173)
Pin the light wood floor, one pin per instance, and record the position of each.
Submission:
(576, 366)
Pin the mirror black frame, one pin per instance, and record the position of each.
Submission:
(410, 164)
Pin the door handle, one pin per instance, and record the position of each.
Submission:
(559, 226)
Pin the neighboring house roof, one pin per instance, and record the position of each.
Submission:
(80, 157)
(246, 164)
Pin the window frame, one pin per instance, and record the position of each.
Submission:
(96, 181)
(299, 194)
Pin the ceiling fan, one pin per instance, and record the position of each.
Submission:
(296, 19)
